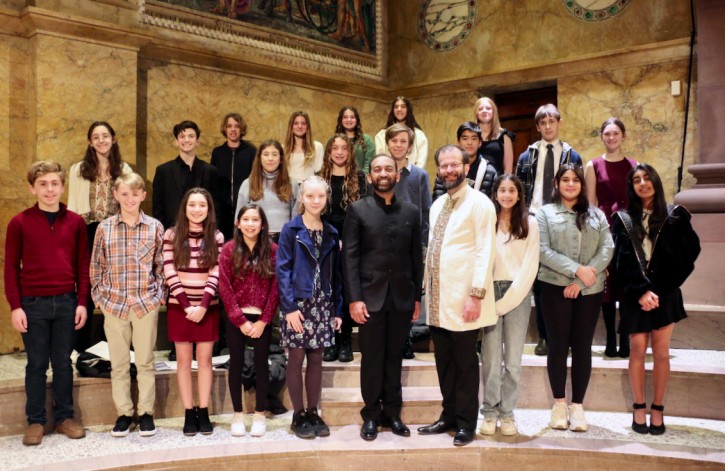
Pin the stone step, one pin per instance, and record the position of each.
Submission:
(697, 380)
(341, 406)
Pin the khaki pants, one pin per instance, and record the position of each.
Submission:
(121, 333)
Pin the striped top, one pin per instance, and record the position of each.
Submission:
(192, 286)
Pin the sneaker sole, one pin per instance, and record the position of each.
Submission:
(257, 434)
(121, 433)
(237, 434)
(147, 433)
(562, 426)
(579, 428)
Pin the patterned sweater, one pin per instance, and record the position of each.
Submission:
(192, 286)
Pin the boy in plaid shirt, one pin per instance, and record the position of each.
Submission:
(127, 284)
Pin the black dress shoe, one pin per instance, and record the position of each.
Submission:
(463, 437)
(397, 426)
(542, 348)
(369, 430)
(439, 426)
(408, 353)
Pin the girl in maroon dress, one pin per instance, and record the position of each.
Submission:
(606, 178)
(191, 254)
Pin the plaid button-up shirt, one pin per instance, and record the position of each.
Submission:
(127, 266)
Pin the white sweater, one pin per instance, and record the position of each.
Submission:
(517, 261)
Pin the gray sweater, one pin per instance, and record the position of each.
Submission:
(278, 212)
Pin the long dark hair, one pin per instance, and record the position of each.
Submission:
(358, 131)
(659, 204)
(350, 184)
(581, 207)
(282, 184)
(409, 117)
(89, 164)
(209, 248)
(259, 259)
(519, 223)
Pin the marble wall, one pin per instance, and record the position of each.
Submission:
(67, 63)
(516, 35)
(640, 96)
(176, 92)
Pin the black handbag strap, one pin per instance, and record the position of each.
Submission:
(638, 250)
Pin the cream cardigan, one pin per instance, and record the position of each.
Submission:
(79, 189)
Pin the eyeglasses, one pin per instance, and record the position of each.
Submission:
(451, 166)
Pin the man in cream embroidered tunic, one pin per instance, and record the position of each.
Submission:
(459, 290)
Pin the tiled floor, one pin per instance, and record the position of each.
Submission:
(609, 432)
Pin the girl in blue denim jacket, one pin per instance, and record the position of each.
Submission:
(310, 291)
(576, 247)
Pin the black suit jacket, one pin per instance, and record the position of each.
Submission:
(169, 187)
(381, 250)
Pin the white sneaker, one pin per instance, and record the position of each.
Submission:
(488, 426)
(577, 421)
(559, 420)
(238, 427)
(259, 426)
(508, 427)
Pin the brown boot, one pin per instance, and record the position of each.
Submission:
(33, 435)
(71, 429)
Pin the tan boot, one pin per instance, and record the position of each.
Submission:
(71, 429)
(33, 435)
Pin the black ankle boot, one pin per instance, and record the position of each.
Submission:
(611, 349)
(301, 426)
(205, 427)
(331, 353)
(191, 422)
(408, 353)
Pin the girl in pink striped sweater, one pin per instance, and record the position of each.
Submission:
(191, 253)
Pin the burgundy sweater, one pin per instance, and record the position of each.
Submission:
(45, 260)
(249, 290)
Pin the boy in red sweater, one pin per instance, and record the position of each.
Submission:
(46, 285)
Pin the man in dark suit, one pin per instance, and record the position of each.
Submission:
(383, 269)
(174, 178)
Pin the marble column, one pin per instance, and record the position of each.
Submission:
(706, 199)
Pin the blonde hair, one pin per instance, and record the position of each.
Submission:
(306, 183)
(495, 121)
(133, 180)
(308, 145)
(44, 167)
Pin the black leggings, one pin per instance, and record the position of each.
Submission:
(313, 376)
(236, 341)
(569, 323)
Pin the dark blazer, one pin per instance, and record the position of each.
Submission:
(673, 257)
(381, 250)
(296, 266)
(169, 187)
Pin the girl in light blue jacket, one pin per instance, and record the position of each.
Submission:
(576, 247)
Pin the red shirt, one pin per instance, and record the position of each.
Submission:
(45, 260)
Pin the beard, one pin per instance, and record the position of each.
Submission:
(450, 184)
(386, 186)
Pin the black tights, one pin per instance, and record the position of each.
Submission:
(236, 343)
(569, 323)
(313, 376)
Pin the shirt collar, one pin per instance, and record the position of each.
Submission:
(141, 219)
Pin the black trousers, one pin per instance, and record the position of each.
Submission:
(569, 323)
(458, 375)
(540, 324)
(381, 344)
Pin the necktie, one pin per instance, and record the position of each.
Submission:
(548, 174)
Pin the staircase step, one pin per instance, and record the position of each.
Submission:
(341, 406)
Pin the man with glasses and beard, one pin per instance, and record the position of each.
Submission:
(383, 271)
(459, 291)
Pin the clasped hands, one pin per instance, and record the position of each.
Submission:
(587, 275)
(253, 329)
(195, 313)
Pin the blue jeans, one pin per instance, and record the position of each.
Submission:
(50, 337)
(504, 341)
